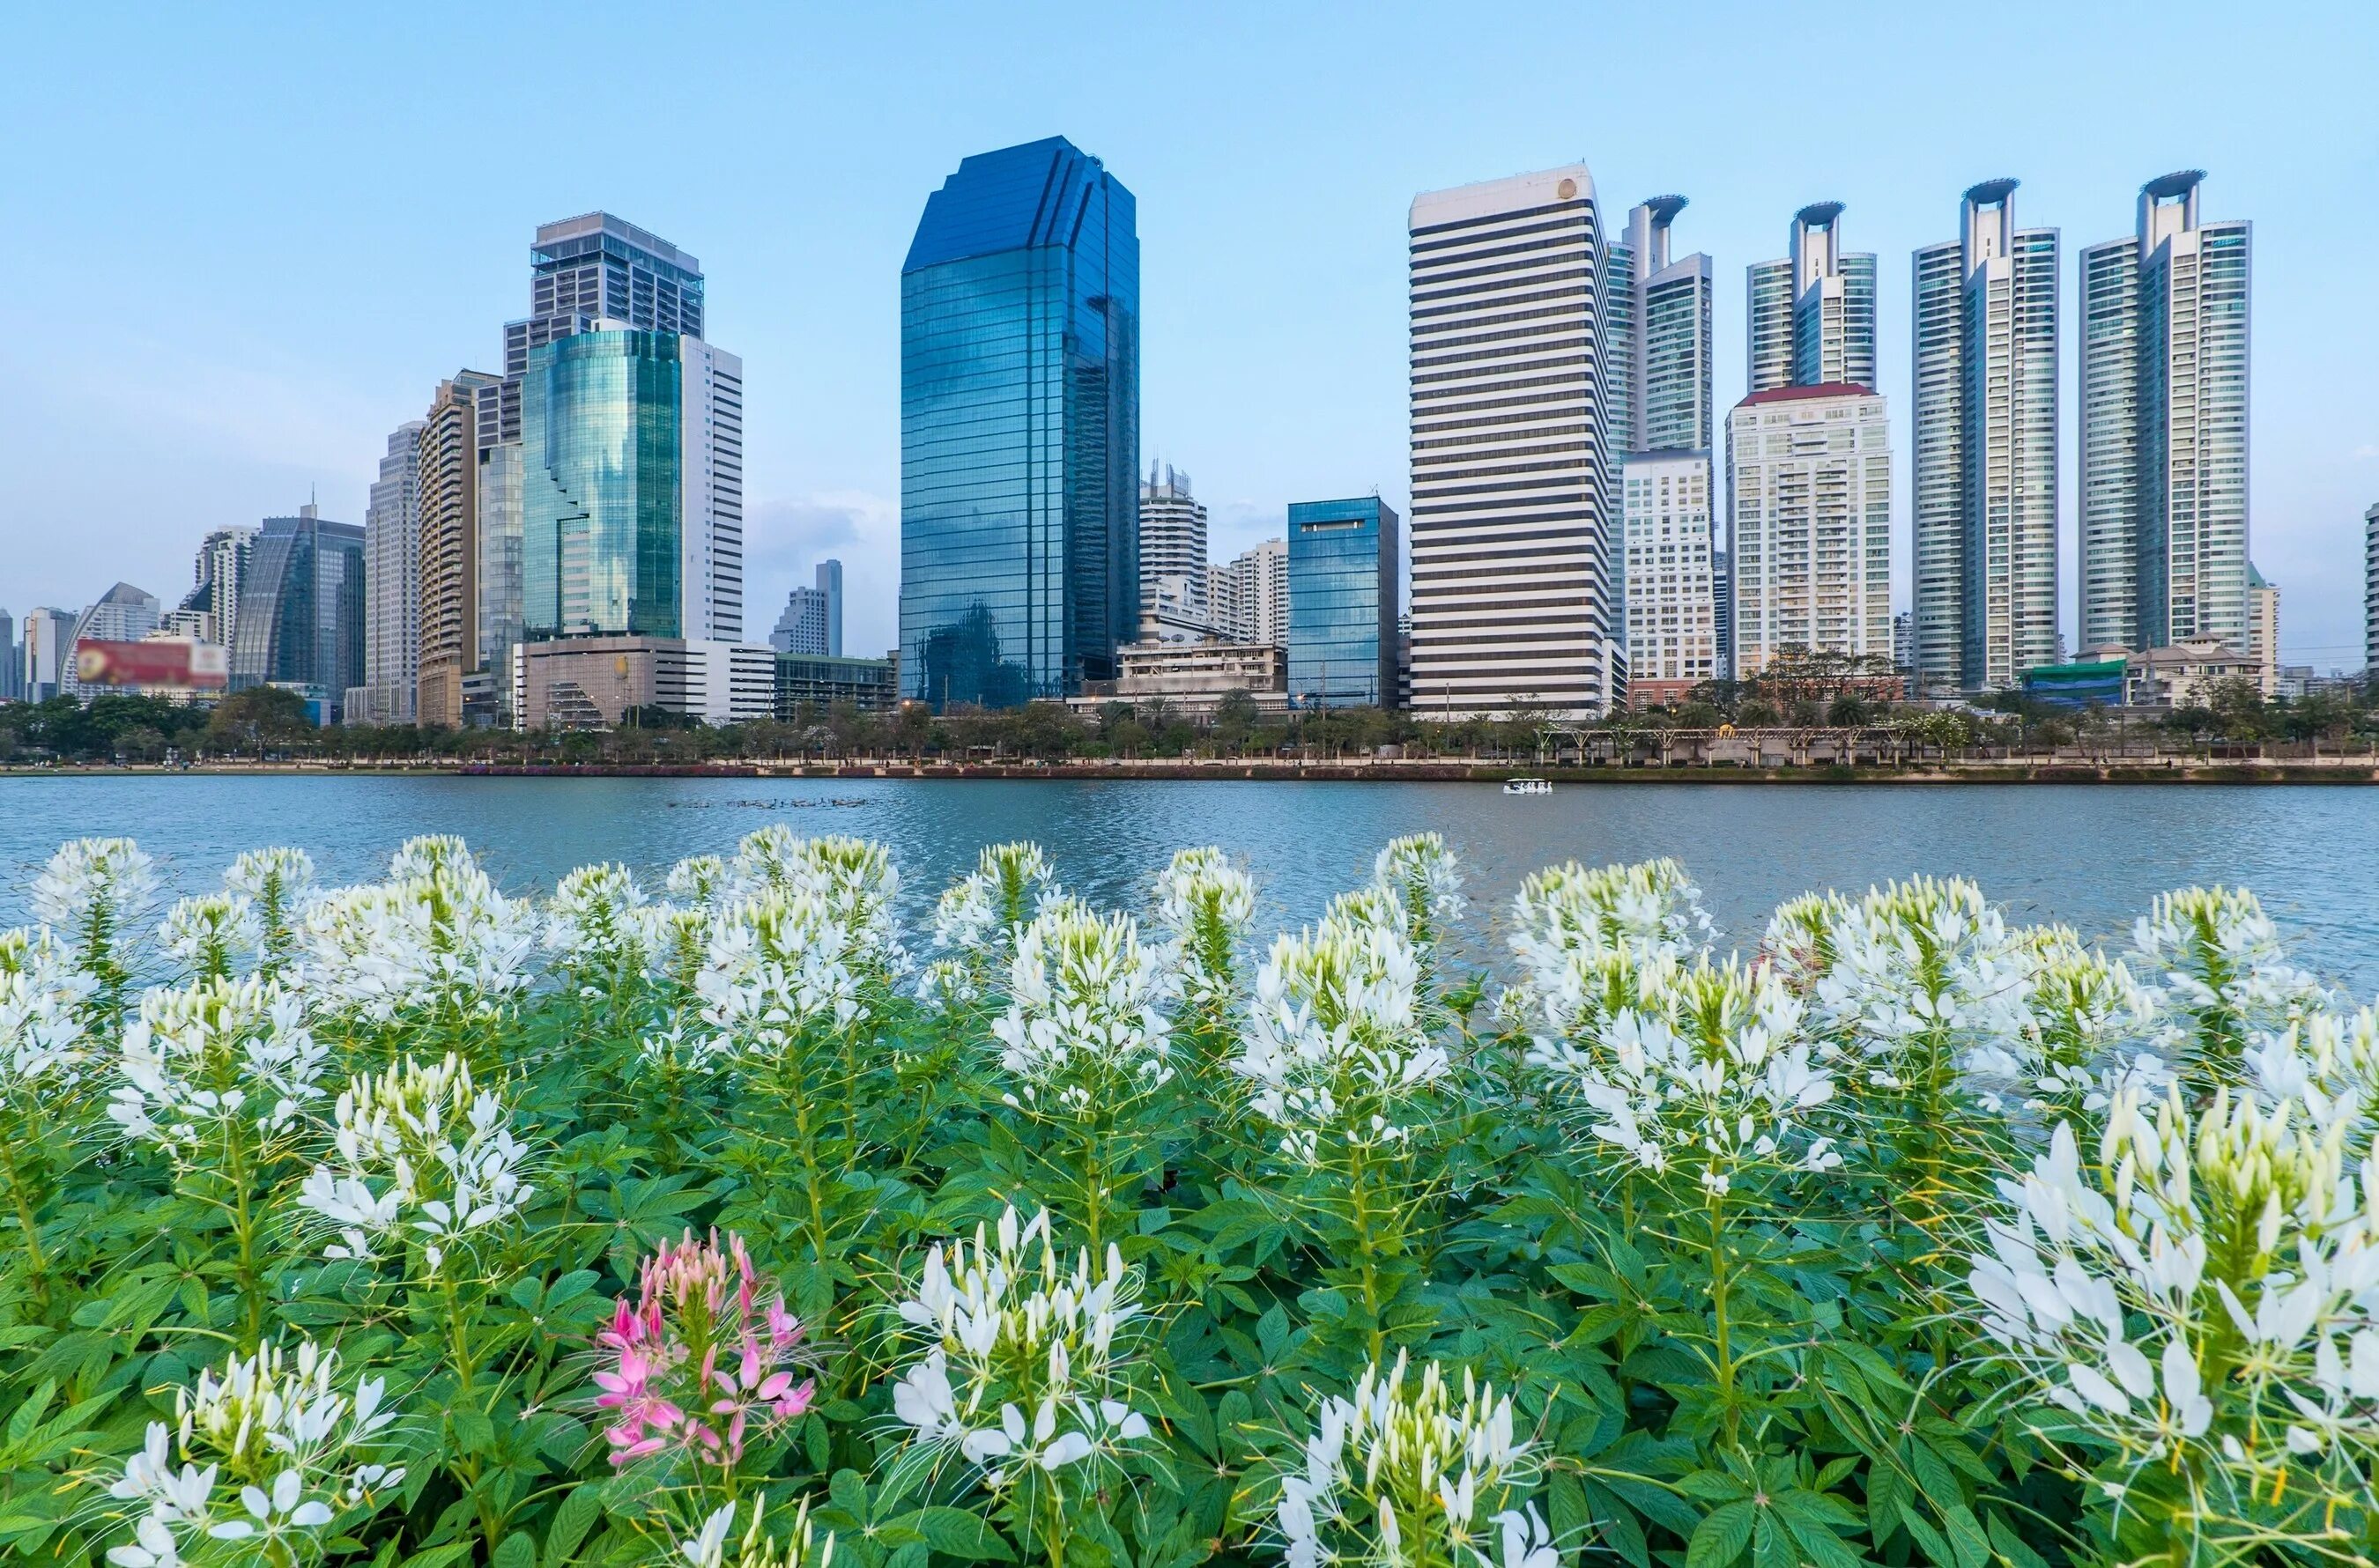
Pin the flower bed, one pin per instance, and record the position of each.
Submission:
(742, 1222)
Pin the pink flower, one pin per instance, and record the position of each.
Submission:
(702, 1336)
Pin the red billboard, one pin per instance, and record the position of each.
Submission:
(163, 662)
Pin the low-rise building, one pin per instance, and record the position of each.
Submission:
(2186, 674)
(593, 683)
(872, 686)
(1192, 679)
(2094, 682)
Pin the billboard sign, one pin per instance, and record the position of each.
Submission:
(166, 662)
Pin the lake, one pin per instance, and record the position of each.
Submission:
(2091, 855)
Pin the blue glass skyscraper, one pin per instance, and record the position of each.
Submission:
(601, 518)
(1342, 603)
(1020, 429)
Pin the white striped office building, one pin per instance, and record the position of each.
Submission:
(1512, 475)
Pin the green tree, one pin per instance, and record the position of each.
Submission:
(258, 719)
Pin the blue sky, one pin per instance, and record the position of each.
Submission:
(239, 244)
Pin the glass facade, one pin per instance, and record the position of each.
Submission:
(1020, 429)
(1342, 603)
(601, 486)
(301, 608)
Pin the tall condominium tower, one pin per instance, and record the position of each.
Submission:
(1020, 429)
(393, 600)
(301, 609)
(632, 510)
(1172, 546)
(1672, 605)
(215, 580)
(1810, 482)
(447, 470)
(812, 620)
(1514, 605)
(1251, 595)
(2163, 426)
(1986, 458)
(1813, 313)
(2370, 589)
(596, 267)
(1659, 337)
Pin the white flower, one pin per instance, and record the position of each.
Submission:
(223, 1053)
(1085, 1029)
(710, 1546)
(420, 1154)
(439, 939)
(1024, 1362)
(1207, 904)
(854, 879)
(600, 924)
(213, 934)
(2223, 978)
(780, 975)
(103, 886)
(42, 1049)
(1422, 872)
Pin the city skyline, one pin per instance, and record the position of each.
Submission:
(258, 406)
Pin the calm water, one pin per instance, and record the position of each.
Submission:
(2090, 855)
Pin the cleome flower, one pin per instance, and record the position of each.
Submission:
(1923, 972)
(715, 1545)
(700, 880)
(2199, 1302)
(438, 936)
(1715, 1080)
(703, 1361)
(97, 894)
(419, 1156)
(601, 925)
(2082, 1037)
(1085, 1028)
(1584, 936)
(277, 883)
(976, 921)
(2215, 958)
(2328, 1064)
(854, 878)
(1405, 1471)
(222, 1055)
(1422, 873)
(1799, 942)
(42, 1049)
(1208, 905)
(1334, 1048)
(273, 1453)
(1024, 1365)
(778, 974)
(212, 934)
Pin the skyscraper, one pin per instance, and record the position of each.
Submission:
(446, 518)
(1020, 429)
(2163, 426)
(1512, 600)
(1985, 518)
(1250, 594)
(12, 660)
(2263, 630)
(812, 620)
(2370, 589)
(632, 487)
(1658, 342)
(48, 641)
(1809, 485)
(1172, 546)
(596, 267)
(1812, 321)
(1672, 604)
(215, 580)
(1342, 603)
(301, 609)
(829, 584)
(392, 587)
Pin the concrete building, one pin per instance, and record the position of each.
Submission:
(447, 512)
(301, 609)
(811, 622)
(1192, 679)
(2187, 673)
(392, 587)
(1514, 518)
(1984, 510)
(1251, 595)
(1657, 337)
(2370, 589)
(596, 267)
(1668, 502)
(817, 681)
(47, 642)
(215, 583)
(2263, 630)
(1812, 313)
(1809, 484)
(593, 682)
(1172, 553)
(12, 660)
(1342, 603)
(2165, 333)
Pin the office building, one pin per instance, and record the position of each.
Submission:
(1020, 429)
(1250, 595)
(1812, 313)
(1658, 338)
(1192, 681)
(1809, 485)
(12, 660)
(808, 684)
(48, 640)
(215, 582)
(2264, 631)
(596, 267)
(1672, 607)
(392, 587)
(122, 614)
(595, 682)
(2370, 589)
(448, 470)
(1985, 512)
(502, 570)
(1342, 603)
(301, 609)
(812, 619)
(1172, 554)
(632, 487)
(2163, 426)
(1514, 525)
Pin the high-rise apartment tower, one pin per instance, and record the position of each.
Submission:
(1812, 313)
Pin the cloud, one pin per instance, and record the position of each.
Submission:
(2366, 452)
(785, 539)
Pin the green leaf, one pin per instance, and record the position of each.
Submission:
(2010, 1547)
(1719, 1539)
(517, 1552)
(954, 1532)
(572, 1521)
